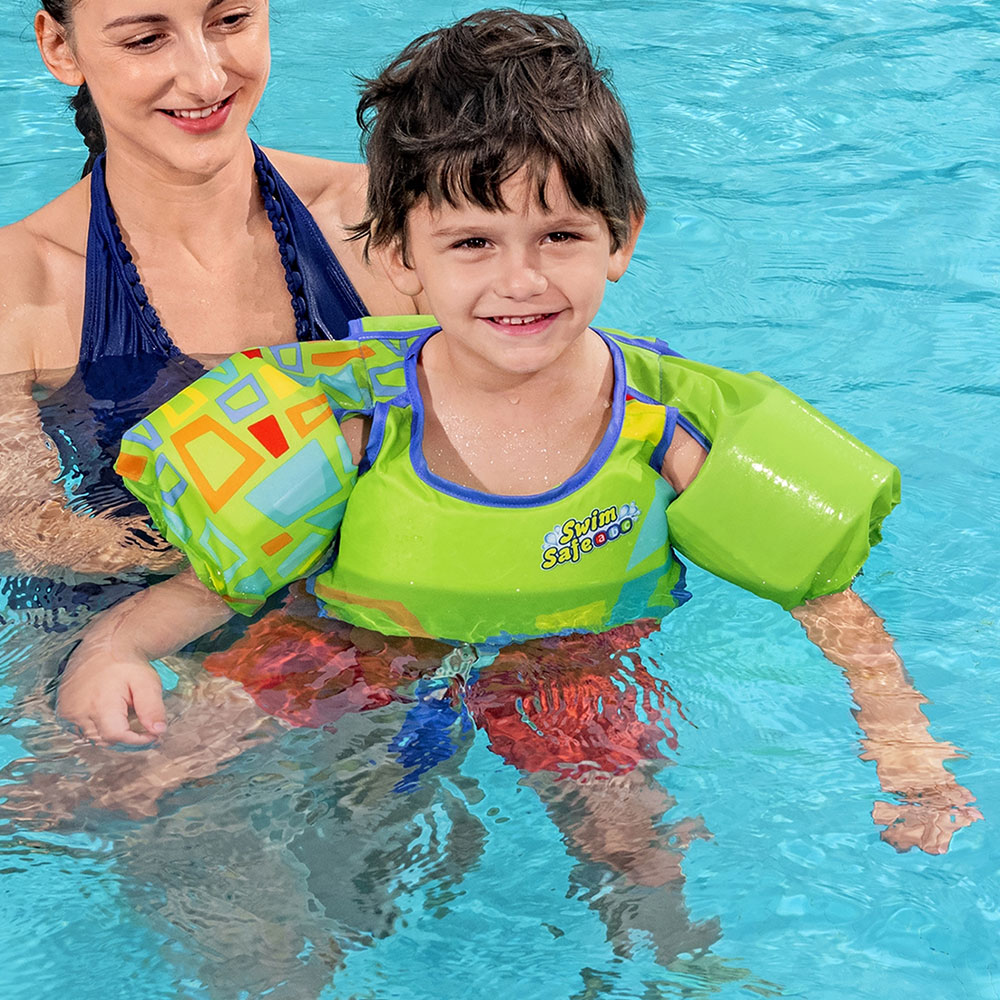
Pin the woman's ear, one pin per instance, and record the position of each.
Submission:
(620, 258)
(403, 277)
(57, 53)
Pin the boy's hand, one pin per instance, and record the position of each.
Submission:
(97, 693)
(109, 676)
(910, 762)
(928, 825)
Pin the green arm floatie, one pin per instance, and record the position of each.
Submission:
(246, 470)
(787, 504)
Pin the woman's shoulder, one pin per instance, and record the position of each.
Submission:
(334, 192)
(42, 279)
(335, 195)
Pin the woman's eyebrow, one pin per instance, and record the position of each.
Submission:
(129, 19)
(121, 22)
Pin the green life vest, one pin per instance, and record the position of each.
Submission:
(247, 471)
(419, 555)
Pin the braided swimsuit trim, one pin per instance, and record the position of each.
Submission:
(282, 233)
(131, 274)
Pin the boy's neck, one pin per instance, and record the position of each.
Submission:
(510, 434)
(453, 370)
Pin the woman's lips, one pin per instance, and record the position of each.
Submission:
(198, 121)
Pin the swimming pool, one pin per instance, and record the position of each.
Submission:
(823, 189)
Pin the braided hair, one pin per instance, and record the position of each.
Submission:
(87, 118)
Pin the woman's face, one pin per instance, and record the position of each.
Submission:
(175, 81)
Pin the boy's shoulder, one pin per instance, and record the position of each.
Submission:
(647, 342)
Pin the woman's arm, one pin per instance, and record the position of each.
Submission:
(908, 759)
(41, 301)
(38, 533)
(108, 678)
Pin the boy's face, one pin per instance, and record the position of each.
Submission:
(512, 290)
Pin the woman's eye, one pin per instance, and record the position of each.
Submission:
(145, 42)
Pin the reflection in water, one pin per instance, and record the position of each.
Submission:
(314, 841)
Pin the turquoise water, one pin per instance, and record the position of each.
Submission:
(823, 185)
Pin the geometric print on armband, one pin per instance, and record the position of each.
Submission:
(217, 461)
(242, 399)
(229, 557)
(288, 357)
(307, 416)
(296, 487)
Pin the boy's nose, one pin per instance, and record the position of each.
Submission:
(521, 276)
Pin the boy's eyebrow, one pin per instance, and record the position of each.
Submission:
(552, 224)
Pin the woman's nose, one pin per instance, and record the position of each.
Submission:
(199, 70)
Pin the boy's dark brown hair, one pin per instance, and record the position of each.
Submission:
(462, 109)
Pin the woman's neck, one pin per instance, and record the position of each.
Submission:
(154, 205)
(205, 252)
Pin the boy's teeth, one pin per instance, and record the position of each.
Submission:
(198, 113)
(518, 320)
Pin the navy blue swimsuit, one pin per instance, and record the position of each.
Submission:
(129, 365)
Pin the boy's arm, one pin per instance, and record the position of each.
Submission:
(109, 673)
(683, 460)
(909, 760)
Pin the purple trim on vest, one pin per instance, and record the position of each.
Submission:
(594, 464)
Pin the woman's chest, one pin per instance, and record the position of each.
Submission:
(234, 301)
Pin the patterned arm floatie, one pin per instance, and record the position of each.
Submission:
(247, 470)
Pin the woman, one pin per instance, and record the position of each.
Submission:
(184, 242)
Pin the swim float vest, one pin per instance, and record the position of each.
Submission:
(248, 472)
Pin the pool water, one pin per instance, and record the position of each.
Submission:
(825, 206)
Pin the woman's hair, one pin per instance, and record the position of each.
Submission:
(462, 109)
(88, 121)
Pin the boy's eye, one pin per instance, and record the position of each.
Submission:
(561, 237)
(233, 20)
(473, 243)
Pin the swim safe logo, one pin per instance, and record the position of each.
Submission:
(570, 541)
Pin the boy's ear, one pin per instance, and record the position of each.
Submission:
(57, 53)
(403, 277)
(621, 257)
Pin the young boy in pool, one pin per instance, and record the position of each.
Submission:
(509, 472)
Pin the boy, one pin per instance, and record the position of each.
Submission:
(508, 474)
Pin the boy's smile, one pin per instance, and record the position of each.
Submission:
(514, 290)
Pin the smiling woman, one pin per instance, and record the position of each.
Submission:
(185, 242)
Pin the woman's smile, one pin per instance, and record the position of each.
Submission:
(200, 120)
